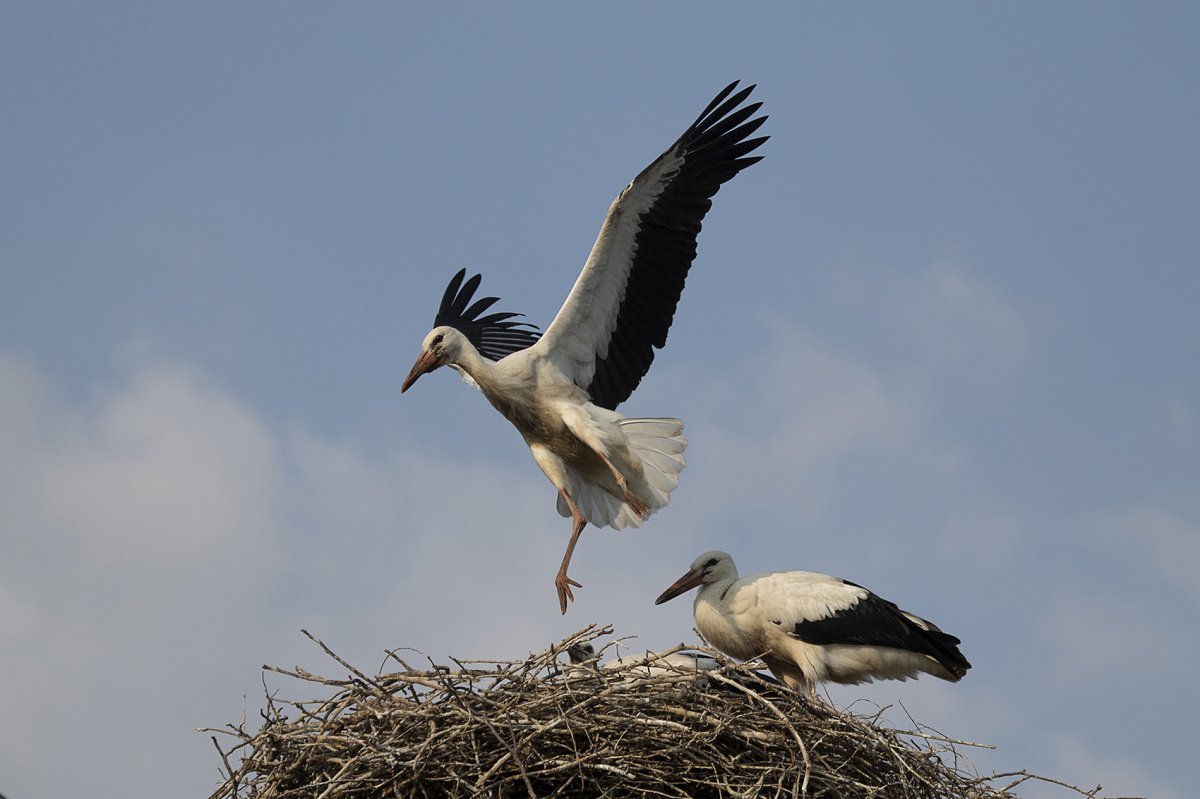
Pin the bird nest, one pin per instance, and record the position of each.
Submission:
(541, 728)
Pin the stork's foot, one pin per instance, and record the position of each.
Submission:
(633, 500)
(810, 693)
(639, 507)
(563, 584)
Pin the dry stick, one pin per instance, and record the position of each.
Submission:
(228, 768)
(1025, 776)
(787, 722)
(535, 732)
(499, 738)
(376, 689)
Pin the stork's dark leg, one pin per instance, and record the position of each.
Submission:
(808, 688)
(635, 502)
(562, 582)
(794, 678)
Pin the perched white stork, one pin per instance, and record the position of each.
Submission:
(561, 389)
(810, 628)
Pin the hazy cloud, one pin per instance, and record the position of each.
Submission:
(1079, 758)
(958, 321)
(139, 522)
(1163, 544)
(793, 408)
(1180, 413)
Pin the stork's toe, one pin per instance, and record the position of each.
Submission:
(634, 502)
(563, 583)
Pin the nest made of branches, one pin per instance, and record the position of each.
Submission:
(541, 728)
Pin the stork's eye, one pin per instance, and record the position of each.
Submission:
(708, 564)
(438, 339)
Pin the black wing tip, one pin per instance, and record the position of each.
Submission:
(494, 335)
(951, 657)
(725, 123)
(939, 645)
(458, 295)
(720, 98)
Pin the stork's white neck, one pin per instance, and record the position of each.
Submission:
(714, 593)
(472, 367)
(512, 392)
(716, 620)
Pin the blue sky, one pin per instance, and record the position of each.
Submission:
(941, 341)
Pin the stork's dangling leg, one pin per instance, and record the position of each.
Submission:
(562, 582)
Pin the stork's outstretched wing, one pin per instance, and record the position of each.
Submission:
(622, 305)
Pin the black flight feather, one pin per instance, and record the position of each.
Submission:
(493, 335)
(714, 149)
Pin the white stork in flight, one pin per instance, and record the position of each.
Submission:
(810, 628)
(560, 389)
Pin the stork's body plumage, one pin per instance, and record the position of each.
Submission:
(561, 389)
(811, 628)
(585, 662)
(691, 665)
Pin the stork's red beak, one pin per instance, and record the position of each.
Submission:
(681, 586)
(426, 363)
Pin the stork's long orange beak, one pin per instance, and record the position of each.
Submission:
(681, 586)
(426, 363)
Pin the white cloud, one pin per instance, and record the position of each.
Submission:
(960, 322)
(778, 423)
(980, 534)
(1179, 413)
(1077, 758)
(165, 471)
(806, 448)
(413, 550)
(1091, 637)
(139, 523)
(1159, 543)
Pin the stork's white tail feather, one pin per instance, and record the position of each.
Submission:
(597, 505)
(659, 445)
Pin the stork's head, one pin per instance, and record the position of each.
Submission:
(581, 653)
(711, 567)
(461, 323)
(441, 346)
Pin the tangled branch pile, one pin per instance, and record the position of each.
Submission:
(540, 729)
